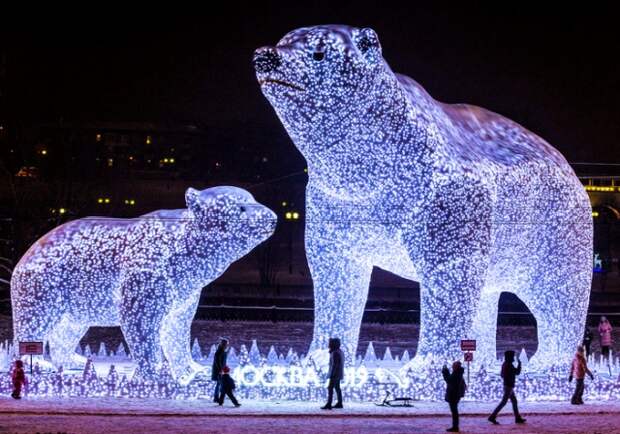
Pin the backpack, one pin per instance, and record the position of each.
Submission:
(462, 388)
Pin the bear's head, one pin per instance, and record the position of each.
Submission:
(229, 221)
(332, 90)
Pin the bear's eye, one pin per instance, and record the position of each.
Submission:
(318, 56)
(365, 44)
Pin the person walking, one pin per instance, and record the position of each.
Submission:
(604, 331)
(579, 369)
(587, 341)
(455, 390)
(219, 361)
(335, 374)
(509, 373)
(227, 387)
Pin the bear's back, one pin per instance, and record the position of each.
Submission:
(478, 137)
(84, 243)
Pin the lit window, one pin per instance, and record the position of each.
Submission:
(595, 214)
(148, 140)
(295, 215)
(284, 203)
(288, 215)
(98, 137)
(106, 200)
(44, 152)
(62, 210)
(110, 162)
(100, 200)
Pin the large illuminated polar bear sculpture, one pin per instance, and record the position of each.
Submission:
(144, 274)
(461, 199)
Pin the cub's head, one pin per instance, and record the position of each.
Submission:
(316, 74)
(230, 220)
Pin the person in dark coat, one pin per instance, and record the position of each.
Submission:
(227, 387)
(335, 374)
(219, 361)
(19, 379)
(509, 373)
(455, 390)
(587, 341)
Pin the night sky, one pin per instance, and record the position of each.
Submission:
(556, 74)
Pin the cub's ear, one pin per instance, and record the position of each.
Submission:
(192, 199)
(367, 43)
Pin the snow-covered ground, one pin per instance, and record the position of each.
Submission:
(102, 415)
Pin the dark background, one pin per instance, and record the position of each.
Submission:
(66, 77)
(553, 70)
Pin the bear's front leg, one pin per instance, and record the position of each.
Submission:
(454, 265)
(340, 263)
(176, 340)
(145, 299)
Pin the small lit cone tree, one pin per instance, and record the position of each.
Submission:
(103, 351)
(120, 351)
(255, 356)
(196, 351)
(232, 359)
(244, 356)
(112, 381)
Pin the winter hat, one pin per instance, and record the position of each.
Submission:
(509, 355)
(225, 369)
(19, 364)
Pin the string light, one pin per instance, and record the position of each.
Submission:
(461, 199)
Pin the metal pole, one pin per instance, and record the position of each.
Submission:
(30, 365)
(468, 372)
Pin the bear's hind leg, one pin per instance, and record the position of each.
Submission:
(560, 319)
(145, 301)
(176, 340)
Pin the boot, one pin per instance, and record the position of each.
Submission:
(519, 419)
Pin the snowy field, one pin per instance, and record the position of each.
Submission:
(149, 416)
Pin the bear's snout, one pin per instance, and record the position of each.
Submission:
(266, 59)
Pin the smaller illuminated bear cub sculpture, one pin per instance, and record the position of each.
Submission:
(144, 274)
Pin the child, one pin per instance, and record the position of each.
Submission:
(227, 386)
(19, 379)
(579, 369)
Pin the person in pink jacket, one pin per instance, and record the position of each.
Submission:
(604, 331)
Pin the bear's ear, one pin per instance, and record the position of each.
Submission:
(192, 199)
(367, 43)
